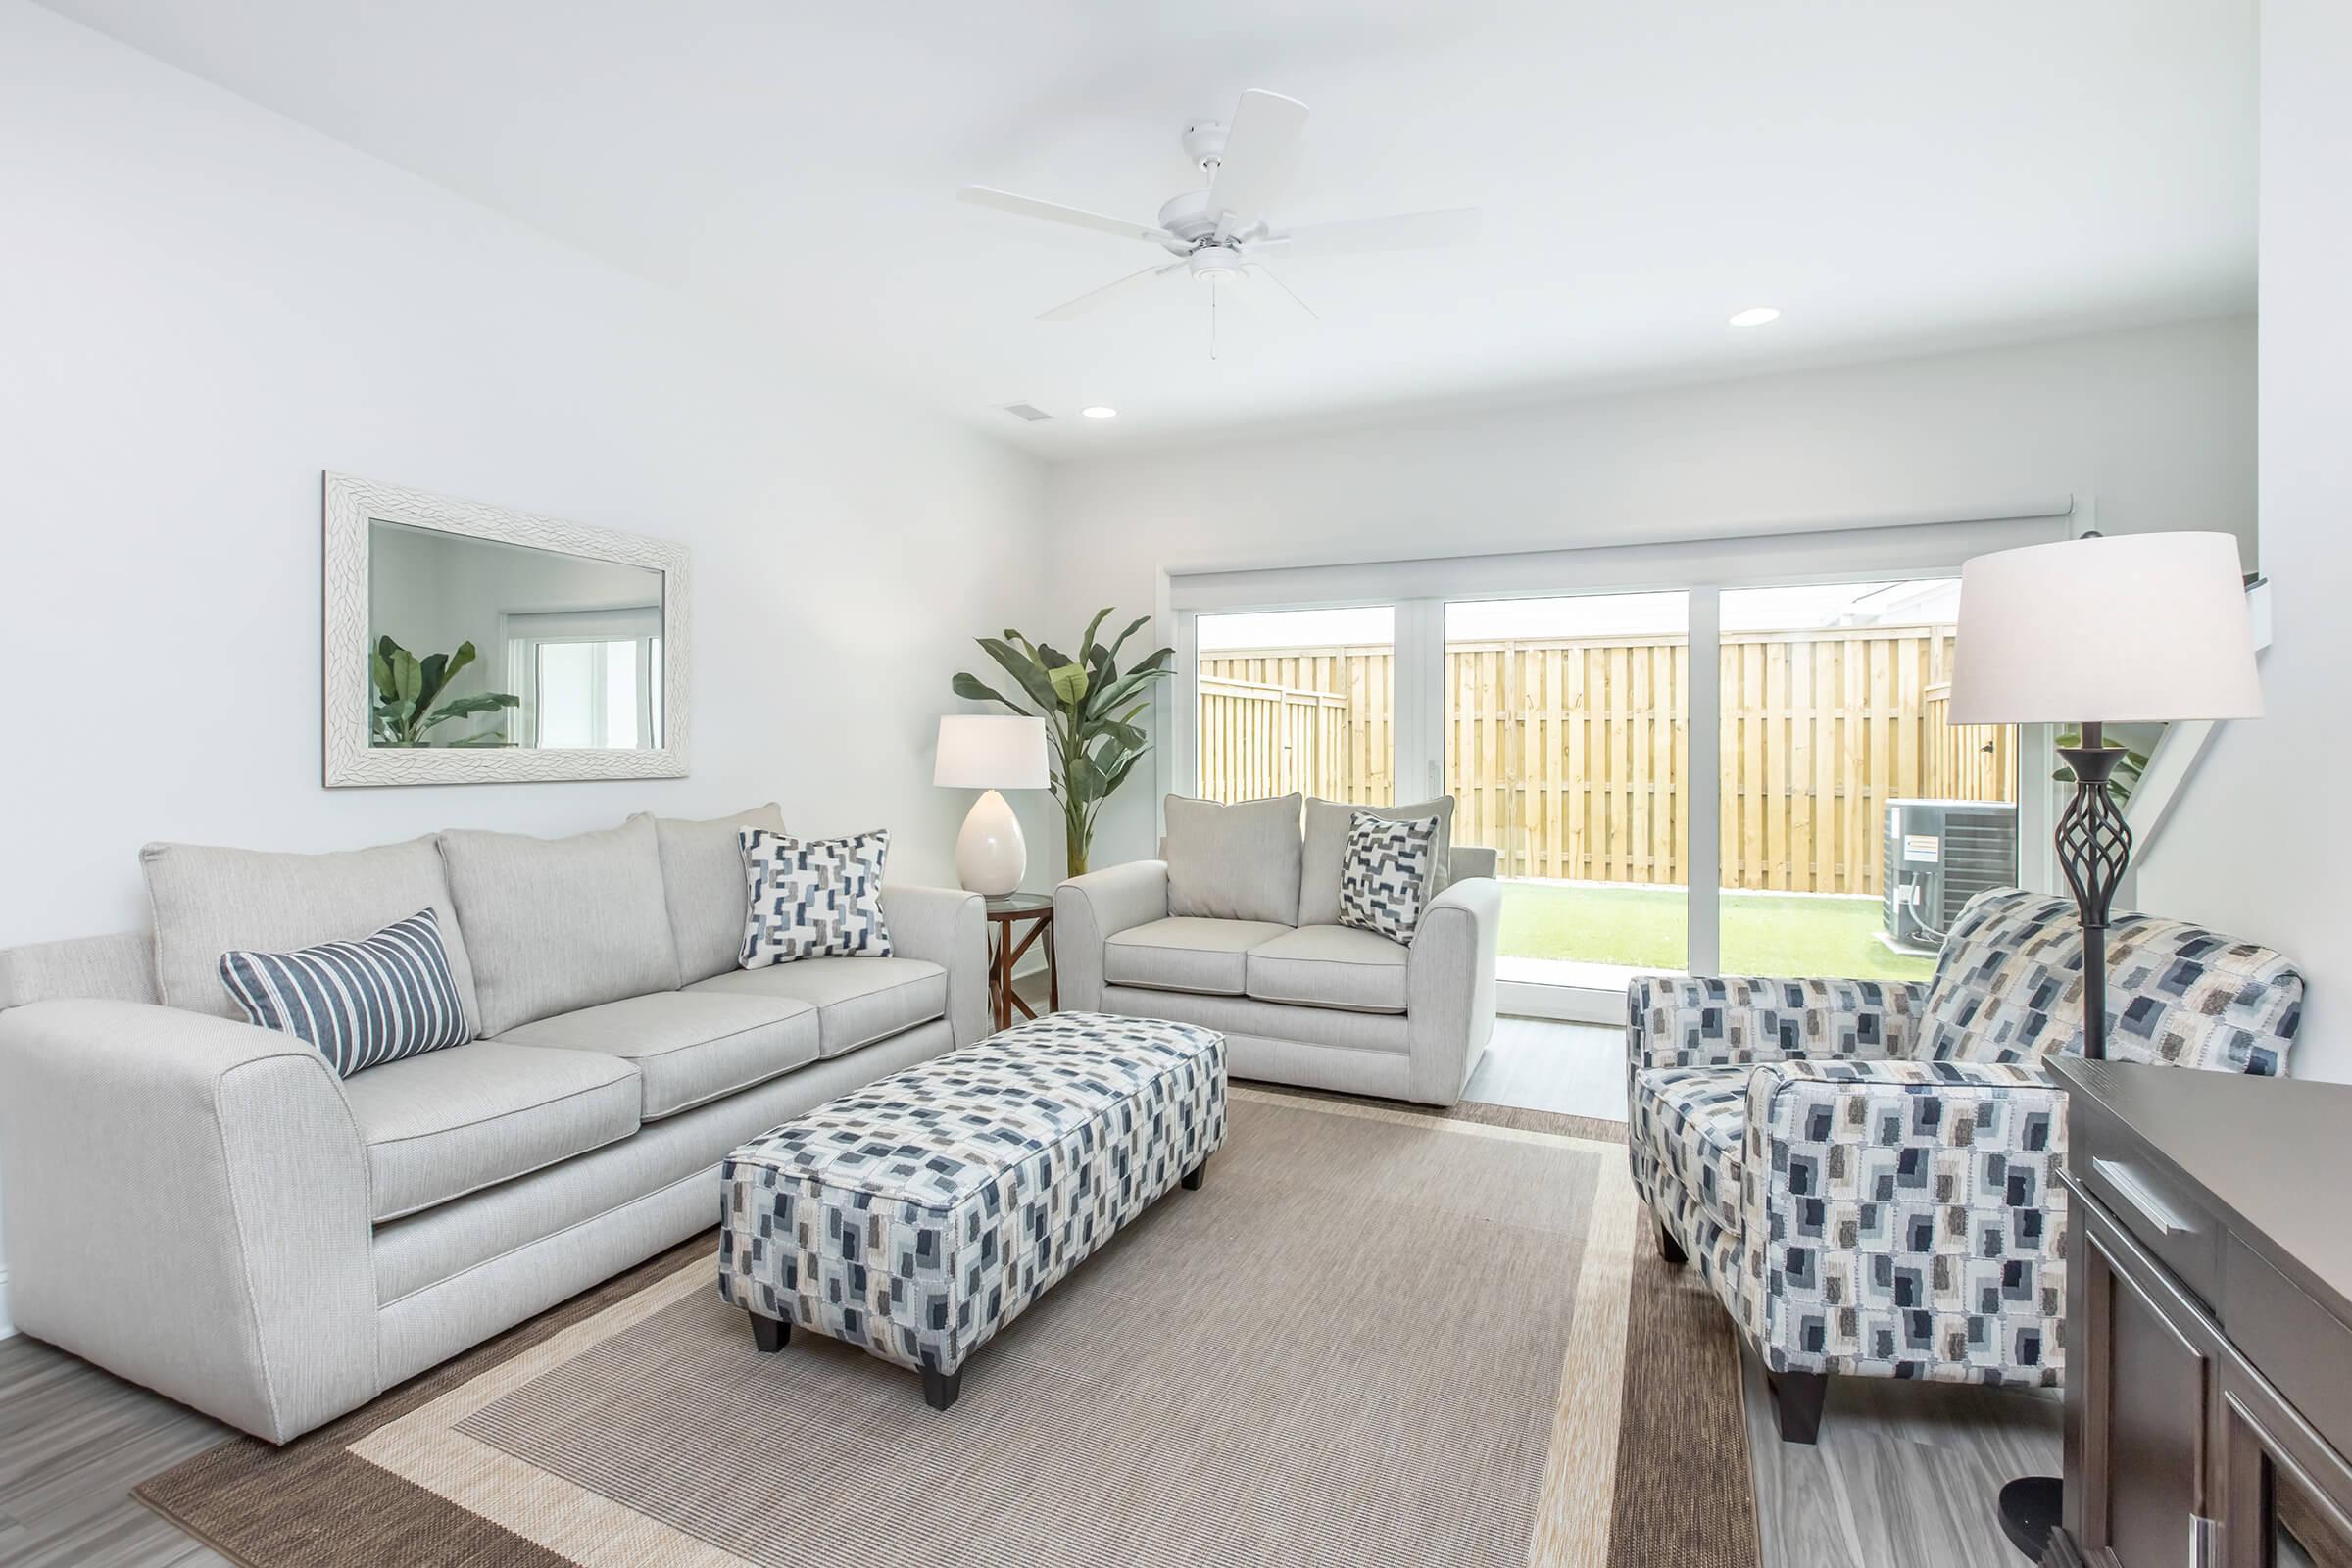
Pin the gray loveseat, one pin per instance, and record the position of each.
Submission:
(1237, 928)
(204, 1208)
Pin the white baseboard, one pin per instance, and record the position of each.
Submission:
(8, 1325)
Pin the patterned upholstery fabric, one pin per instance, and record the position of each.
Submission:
(1694, 1122)
(362, 1003)
(919, 1215)
(2009, 988)
(1385, 880)
(1892, 1208)
(813, 899)
(1695, 1020)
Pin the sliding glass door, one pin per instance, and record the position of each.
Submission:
(1567, 751)
(1295, 699)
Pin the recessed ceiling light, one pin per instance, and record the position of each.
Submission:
(1756, 315)
(1104, 412)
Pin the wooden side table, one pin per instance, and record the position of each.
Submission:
(1035, 910)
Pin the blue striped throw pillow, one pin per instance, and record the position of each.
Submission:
(362, 1003)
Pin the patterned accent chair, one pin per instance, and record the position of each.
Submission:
(1864, 1170)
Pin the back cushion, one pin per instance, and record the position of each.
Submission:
(1234, 863)
(703, 880)
(206, 901)
(2009, 989)
(555, 925)
(1325, 852)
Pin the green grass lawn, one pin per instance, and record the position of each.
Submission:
(1763, 933)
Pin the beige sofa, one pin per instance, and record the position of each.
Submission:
(1237, 928)
(204, 1208)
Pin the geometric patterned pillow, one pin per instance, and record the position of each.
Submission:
(812, 898)
(362, 1003)
(1384, 882)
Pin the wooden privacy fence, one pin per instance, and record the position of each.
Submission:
(1568, 756)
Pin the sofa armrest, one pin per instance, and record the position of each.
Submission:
(949, 927)
(1470, 861)
(1450, 988)
(188, 1205)
(1089, 910)
(1724, 1021)
(1909, 1218)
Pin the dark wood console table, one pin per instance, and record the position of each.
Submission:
(2209, 1320)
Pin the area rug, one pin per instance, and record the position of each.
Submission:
(1374, 1338)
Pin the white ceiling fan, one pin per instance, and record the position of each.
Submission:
(1220, 232)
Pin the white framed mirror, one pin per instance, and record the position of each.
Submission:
(468, 643)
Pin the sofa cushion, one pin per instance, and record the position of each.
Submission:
(1323, 852)
(206, 900)
(857, 1000)
(689, 1048)
(452, 1122)
(1694, 1122)
(1329, 966)
(555, 925)
(1184, 952)
(702, 883)
(1234, 863)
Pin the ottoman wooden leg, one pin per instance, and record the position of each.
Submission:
(1670, 1248)
(1192, 1178)
(769, 1333)
(1796, 1398)
(940, 1388)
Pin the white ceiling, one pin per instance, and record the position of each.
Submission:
(1898, 175)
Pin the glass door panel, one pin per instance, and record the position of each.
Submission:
(1295, 699)
(1566, 728)
(1855, 819)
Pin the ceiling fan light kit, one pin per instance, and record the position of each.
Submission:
(1219, 233)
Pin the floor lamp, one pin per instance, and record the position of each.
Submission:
(2086, 633)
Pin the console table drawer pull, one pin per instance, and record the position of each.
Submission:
(2133, 1191)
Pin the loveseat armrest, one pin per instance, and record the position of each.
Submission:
(188, 1205)
(1089, 910)
(1471, 862)
(1724, 1021)
(1450, 988)
(1909, 1218)
(949, 927)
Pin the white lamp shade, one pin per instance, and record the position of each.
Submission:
(985, 751)
(2122, 629)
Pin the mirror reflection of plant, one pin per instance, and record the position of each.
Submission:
(2120, 784)
(406, 687)
(1094, 748)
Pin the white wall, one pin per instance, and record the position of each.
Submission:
(2157, 425)
(205, 305)
(2255, 847)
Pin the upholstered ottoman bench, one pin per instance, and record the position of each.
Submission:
(919, 1215)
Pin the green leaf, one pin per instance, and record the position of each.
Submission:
(1070, 682)
(1086, 644)
(1085, 783)
(464, 707)
(435, 668)
(1021, 667)
(1127, 735)
(972, 690)
(408, 677)
(380, 669)
(1133, 626)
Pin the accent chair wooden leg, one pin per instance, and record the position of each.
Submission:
(940, 1388)
(1796, 1398)
(1671, 1249)
(769, 1333)
(1192, 1178)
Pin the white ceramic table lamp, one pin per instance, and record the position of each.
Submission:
(991, 754)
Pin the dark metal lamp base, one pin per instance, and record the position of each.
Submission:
(2031, 1506)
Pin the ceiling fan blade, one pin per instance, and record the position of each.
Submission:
(1259, 153)
(1399, 231)
(1030, 207)
(1106, 294)
(1261, 270)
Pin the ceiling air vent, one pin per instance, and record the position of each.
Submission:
(1026, 410)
